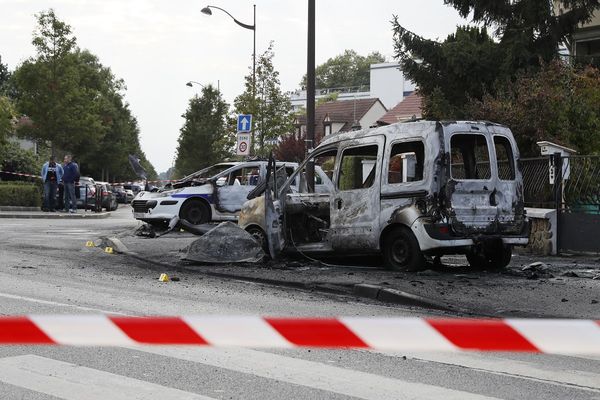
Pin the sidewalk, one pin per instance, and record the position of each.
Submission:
(36, 213)
(566, 287)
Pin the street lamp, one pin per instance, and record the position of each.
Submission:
(192, 83)
(207, 10)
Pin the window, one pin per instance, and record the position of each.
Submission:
(326, 162)
(248, 176)
(504, 158)
(469, 157)
(406, 162)
(358, 168)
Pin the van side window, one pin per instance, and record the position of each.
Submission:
(326, 161)
(357, 168)
(505, 158)
(406, 162)
(469, 157)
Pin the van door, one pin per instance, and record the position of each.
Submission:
(480, 201)
(355, 202)
(233, 188)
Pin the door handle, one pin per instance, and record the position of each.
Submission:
(338, 203)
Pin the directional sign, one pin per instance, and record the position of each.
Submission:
(244, 123)
(243, 144)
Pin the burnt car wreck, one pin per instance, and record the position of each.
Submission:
(406, 191)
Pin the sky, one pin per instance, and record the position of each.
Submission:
(156, 46)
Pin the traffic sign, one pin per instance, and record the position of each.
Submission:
(244, 123)
(243, 144)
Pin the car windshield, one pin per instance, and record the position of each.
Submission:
(209, 172)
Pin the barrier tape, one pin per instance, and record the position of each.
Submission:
(549, 336)
(20, 174)
(111, 183)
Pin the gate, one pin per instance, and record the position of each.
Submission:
(571, 186)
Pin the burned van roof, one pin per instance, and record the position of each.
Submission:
(408, 129)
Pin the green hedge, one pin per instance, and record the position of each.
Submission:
(21, 194)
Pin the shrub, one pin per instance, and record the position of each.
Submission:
(22, 194)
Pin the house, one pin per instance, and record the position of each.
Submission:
(386, 83)
(584, 44)
(408, 109)
(343, 116)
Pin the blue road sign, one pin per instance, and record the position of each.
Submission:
(244, 123)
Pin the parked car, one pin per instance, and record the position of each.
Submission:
(215, 193)
(121, 194)
(135, 188)
(405, 191)
(108, 196)
(85, 192)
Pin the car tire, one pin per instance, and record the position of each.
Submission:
(115, 206)
(195, 212)
(260, 236)
(401, 251)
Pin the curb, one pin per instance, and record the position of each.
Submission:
(56, 215)
(19, 208)
(367, 291)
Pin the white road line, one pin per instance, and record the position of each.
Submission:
(56, 303)
(73, 382)
(311, 374)
(509, 367)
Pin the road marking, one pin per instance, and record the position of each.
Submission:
(509, 367)
(56, 303)
(73, 382)
(311, 374)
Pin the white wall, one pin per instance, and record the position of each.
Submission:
(372, 116)
(387, 83)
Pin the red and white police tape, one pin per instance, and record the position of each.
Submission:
(550, 336)
(20, 174)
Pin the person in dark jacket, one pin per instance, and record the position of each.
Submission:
(51, 174)
(70, 177)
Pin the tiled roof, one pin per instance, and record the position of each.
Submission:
(340, 111)
(411, 105)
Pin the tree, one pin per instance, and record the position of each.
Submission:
(291, 148)
(471, 62)
(7, 114)
(76, 104)
(271, 108)
(558, 103)
(52, 90)
(345, 70)
(4, 77)
(203, 139)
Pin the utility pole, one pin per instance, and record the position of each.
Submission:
(310, 95)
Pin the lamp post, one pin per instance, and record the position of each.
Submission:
(207, 10)
(310, 95)
(192, 83)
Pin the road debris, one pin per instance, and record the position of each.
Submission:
(225, 243)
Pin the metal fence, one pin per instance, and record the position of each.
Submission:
(537, 188)
(581, 184)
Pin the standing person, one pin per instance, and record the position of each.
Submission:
(51, 174)
(70, 177)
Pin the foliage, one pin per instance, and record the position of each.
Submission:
(76, 104)
(345, 70)
(270, 107)
(15, 159)
(471, 62)
(4, 78)
(19, 194)
(7, 115)
(203, 139)
(558, 103)
(291, 148)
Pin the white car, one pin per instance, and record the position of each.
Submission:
(215, 193)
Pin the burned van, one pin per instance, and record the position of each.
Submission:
(407, 191)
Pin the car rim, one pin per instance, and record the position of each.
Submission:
(195, 215)
(259, 236)
(400, 252)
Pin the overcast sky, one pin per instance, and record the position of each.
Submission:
(156, 46)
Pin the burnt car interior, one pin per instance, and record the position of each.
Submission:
(306, 214)
(469, 157)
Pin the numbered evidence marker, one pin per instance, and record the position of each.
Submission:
(243, 144)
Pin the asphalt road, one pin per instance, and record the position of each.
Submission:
(45, 268)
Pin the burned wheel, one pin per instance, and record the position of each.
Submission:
(401, 251)
(260, 236)
(195, 212)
